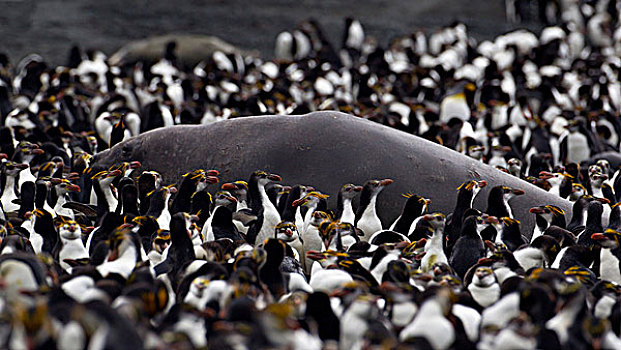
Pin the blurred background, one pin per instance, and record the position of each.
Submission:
(51, 27)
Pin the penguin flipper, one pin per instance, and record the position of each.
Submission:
(163, 267)
(77, 262)
(245, 216)
(88, 210)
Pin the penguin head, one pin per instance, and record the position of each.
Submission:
(483, 277)
(224, 198)
(604, 165)
(197, 287)
(263, 178)
(69, 229)
(28, 150)
(348, 191)
(13, 168)
(318, 217)
(608, 239)
(201, 178)
(106, 177)
(509, 193)
(238, 188)
(64, 186)
(476, 151)
(286, 231)
(472, 186)
(119, 241)
(577, 191)
(161, 240)
(514, 165)
(547, 212)
(435, 220)
(310, 199)
(153, 178)
(556, 178)
(415, 203)
(376, 186)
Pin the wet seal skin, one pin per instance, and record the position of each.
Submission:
(327, 149)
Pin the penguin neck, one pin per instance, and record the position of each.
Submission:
(368, 208)
(60, 201)
(26, 175)
(431, 308)
(9, 187)
(578, 216)
(112, 202)
(347, 211)
(498, 206)
(465, 199)
(265, 200)
(128, 255)
(256, 195)
(435, 242)
(242, 203)
(405, 221)
(309, 215)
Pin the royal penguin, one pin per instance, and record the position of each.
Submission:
(260, 205)
(344, 208)
(367, 219)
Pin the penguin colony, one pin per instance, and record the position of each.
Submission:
(117, 259)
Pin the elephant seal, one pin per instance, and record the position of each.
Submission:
(190, 49)
(325, 149)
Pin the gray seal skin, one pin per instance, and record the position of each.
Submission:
(326, 149)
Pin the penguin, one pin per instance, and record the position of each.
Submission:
(610, 254)
(148, 181)
(63, 188)
(415, 207)
(366, 216)
(106, 225)
(541, 253)
(511, 236)
(469, 247)
(431, 321)
(192, 182)
(124, 253)
(455, 103)
(9, 193)
(466, 193)
(222, 199)
(593, 224)
(102, 191)
(484, 287)
(313, 239)
(545, 216)
(434, 249)
(355, 321)
(498, 201)
(344, 208)
(46, 236)
(267, 214)
(240, 190)
(161, 241)
(71, 245)
(514, 165)
(158, 207)
(313, 201)
(287, 232)
(181, 249)
(223, 226)
(319, 314)
(269, 273)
